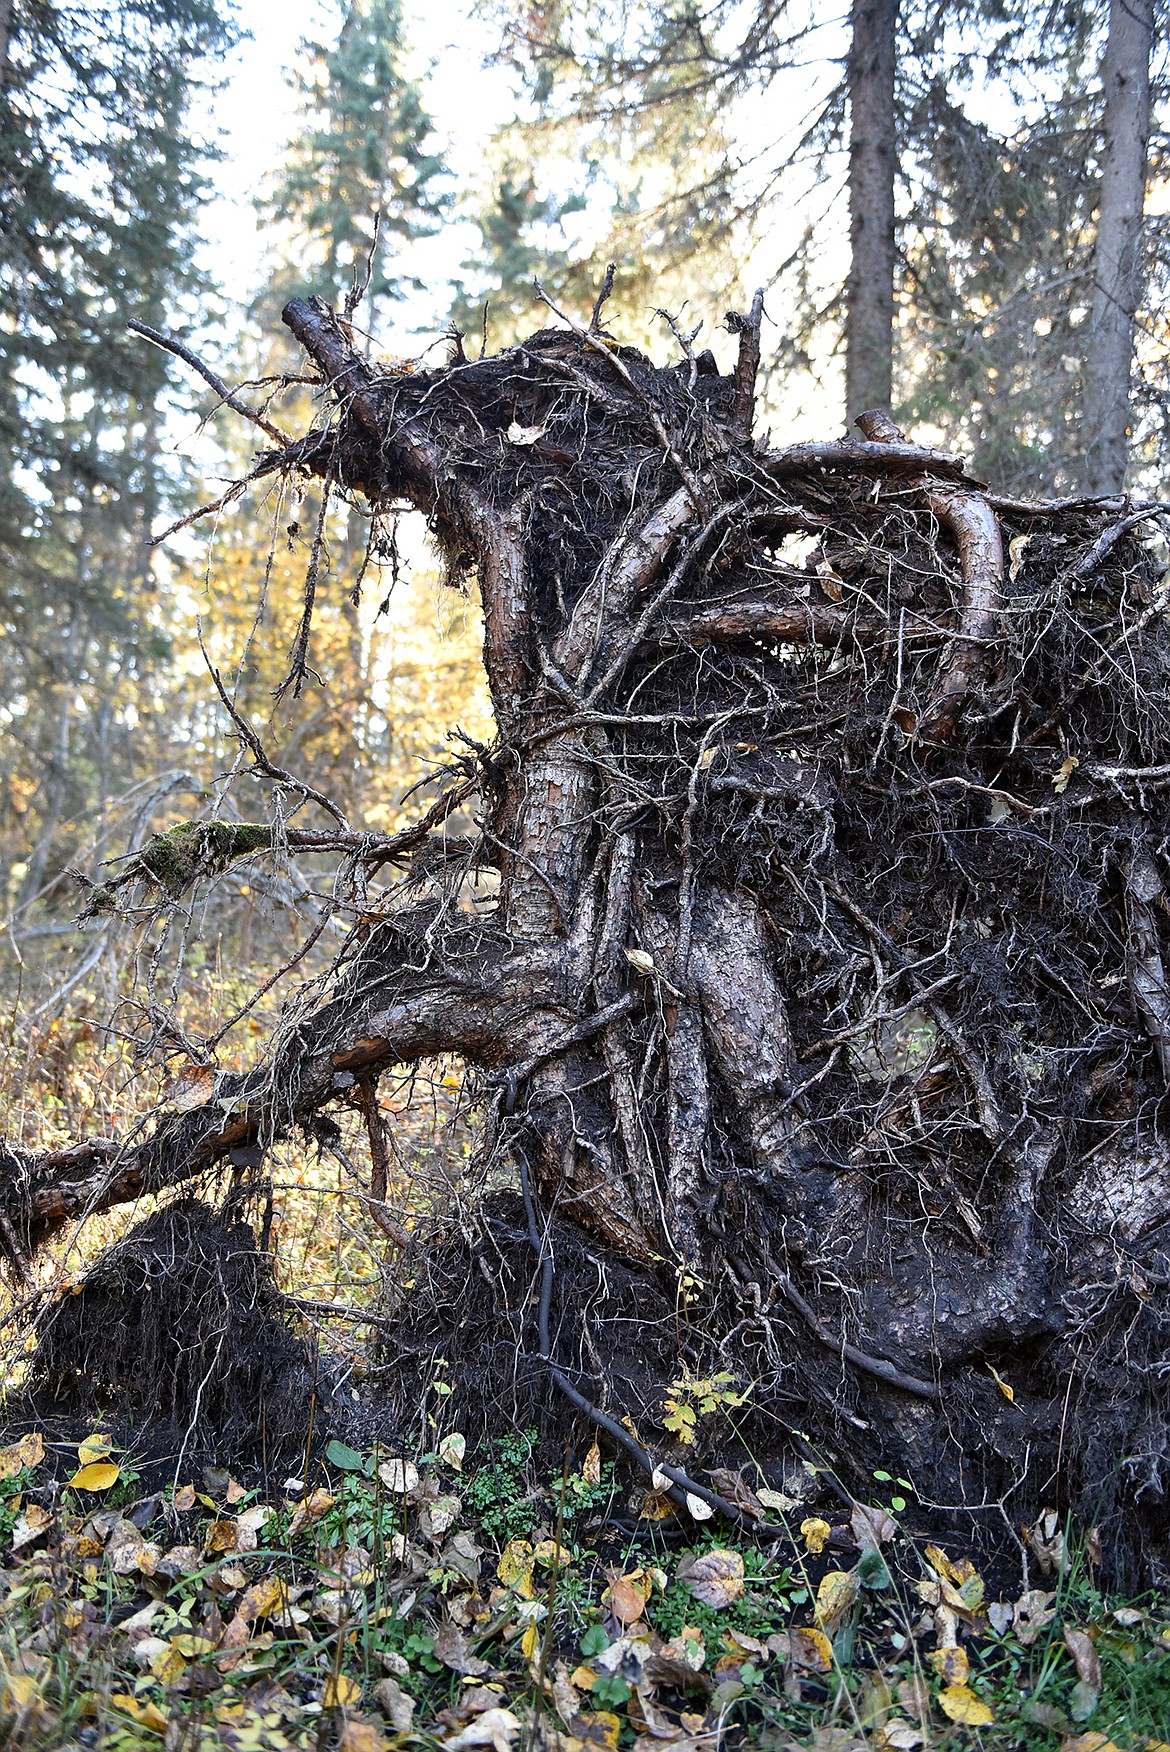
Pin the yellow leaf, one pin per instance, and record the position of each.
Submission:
(530, 1642)
(192, 1645)
(309, 1509)
(262, 1599)
(812, 1649)
(169, 1664)
(1067, 769)
(147, 1715)
(515, 1567)
(835, 1596)
(815, 1532)
(584, 1678)
(96, 1475)
(95, 1447)
(961, 1704)
(598, 1729)
(341, 1692)
(18, 1692)
(362, 1737)
(951, 1665)
(1008, 1392)
(550, 1554)
(29, 1451)
(221, 1536)
(591, 1471)
(656, 1506)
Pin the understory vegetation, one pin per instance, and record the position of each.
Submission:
(465, 1598)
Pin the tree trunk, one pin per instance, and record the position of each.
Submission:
(869, 292)
(1117, 256)
(821, 1025)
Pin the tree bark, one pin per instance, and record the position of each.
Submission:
(1117, 255)
(823, 1002)
(869, 291)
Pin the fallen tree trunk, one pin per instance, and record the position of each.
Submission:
(822, 1016)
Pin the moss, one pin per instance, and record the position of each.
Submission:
(190, 849)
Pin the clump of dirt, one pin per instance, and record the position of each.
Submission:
(180, 1325)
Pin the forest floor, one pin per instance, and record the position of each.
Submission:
(459, 1600)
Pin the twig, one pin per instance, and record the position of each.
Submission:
(261, 762)
(876, 1366)
(599, 301)
(226, 396)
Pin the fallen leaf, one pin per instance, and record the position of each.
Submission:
(397, 1706)
(249, 1525)
(640, 961)
(1064, 773)
(734, 1488)
(515, 1567)
(835, 1597)
(361, 1736)
(31, 1524)
(960, 1703)
(262, 1599)
(1033, 1612)
(1009, 1393)
(400, 1476)
(147, 1715)
(815, 1532)
(697, 1508)
(591, 1470)
(524, 435)
(596, 1729)
(495, 1727)
(94, 1447)
(530, 1643)
(811, 1649)
(716, 1579)
(27, 1453)
(235, 1493)
(871, 1526)
(96, 1475)
(222, 1536)
(951, 1664)
(777, 1499)
(452, 1449)
(310, 1509)
(341, 1692)
(184, 1499)
(451, 1648)
(1085, 1657)
(899, 1736)
(627, 1596)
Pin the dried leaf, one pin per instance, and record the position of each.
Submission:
(811, 1649)
(495, 1727)
(871, 1526)
(396, 1705)
(1064, 773)
(961, 1704)
(530, 1642)
(341, 1692)
(627, 1596)
(836, 1596)
(400, 1476)
(951, 1664)
(697, 1508)
(222, 1536)
(452, 1450)
(184, 1499)
(734, 1489)
(815, 1533)
(451, 1648)
(1009, 1393)
(361, 1736)
(524, 435)
(591, 1470)
(30, 1525)
(1085, 1657)
(716, 1579)
(515, 1567)
(640, 961)
(310, 1509)
(28, 1452)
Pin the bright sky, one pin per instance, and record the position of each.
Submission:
(254, 109)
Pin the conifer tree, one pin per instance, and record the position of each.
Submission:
(362, 153)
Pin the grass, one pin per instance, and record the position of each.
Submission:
(472, 1602)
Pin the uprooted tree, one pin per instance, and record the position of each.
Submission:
(821, 1025)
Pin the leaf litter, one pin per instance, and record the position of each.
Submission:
(369, 1606)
